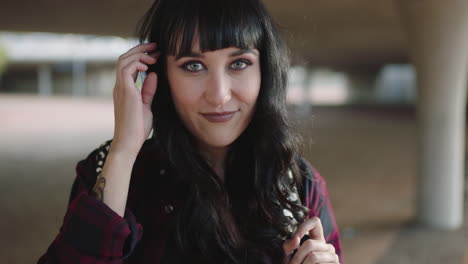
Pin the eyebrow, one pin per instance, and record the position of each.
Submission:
(199, 55)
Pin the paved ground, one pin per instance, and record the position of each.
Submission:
(367, 156)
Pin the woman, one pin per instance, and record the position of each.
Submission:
(220, 180)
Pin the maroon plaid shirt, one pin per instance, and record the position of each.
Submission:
(93, 233)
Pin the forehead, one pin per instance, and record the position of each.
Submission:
(201, 36)
(196, 48)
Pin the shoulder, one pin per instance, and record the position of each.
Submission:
(149, 148)
(149, 169)
(314, 185)
(310, 175)
(93, 164)
(88, 168)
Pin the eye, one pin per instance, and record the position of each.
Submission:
(240, 64)
(193, 66)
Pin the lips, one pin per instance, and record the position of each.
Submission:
(218, 117)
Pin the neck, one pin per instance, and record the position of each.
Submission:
(215, 156)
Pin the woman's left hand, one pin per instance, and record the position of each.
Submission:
(314, 250)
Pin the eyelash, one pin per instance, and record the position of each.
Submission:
(185, 65)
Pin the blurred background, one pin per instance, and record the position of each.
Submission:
(377, 90)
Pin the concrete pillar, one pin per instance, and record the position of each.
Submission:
(79, 78)
(44, 79)
(438, 40)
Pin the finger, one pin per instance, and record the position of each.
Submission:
(290, 245)
(313, 227)
(335, 262)
(149, 88)
(140, 48)
(141, 57)
(130, 72)
(154, 54)
(321, 257)
(307, 247)
(331, 248)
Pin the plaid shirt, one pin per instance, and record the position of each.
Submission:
(93, 233)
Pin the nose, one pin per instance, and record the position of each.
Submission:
(218, 89)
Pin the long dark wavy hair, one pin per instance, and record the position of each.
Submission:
(239, 220)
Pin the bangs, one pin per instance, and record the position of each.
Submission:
(216, 24)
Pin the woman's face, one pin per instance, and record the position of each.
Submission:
(215, 92)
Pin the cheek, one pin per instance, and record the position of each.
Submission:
(249, 88)
(184, 93)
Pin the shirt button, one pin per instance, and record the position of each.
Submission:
(287, 213)
(168, 209)
(292, 197)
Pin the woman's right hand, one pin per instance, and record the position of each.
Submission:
(314, 250)
(132, 107)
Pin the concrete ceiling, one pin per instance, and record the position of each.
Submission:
(339, 33)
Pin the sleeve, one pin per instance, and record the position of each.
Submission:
(318, 201)
(91, 231)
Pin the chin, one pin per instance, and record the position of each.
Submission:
(217, 141)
